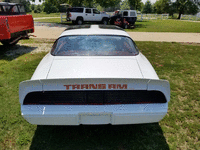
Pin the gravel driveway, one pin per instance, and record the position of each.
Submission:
(45, 32)
(52, 30)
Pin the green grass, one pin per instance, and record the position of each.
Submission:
(178, 63)
(53, 20)
(169, 25)
(44, 14)
(166, 26)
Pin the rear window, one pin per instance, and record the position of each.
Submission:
(6, 8)
(94, 46)
(21, 8)
(76, 10)
(132, 14)
(125, 13)
(14, 9)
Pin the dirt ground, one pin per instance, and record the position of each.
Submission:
(53, 32)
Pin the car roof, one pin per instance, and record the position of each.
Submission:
(94, 30)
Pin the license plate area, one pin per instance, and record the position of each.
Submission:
(95, 118)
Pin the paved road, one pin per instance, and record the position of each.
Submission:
(52, 31)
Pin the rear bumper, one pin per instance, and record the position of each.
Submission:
(93, 114)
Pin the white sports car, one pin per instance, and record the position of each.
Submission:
(94, 74)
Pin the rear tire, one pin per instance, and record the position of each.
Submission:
(7, 42)
(105, 21)
(73, 22)
(125, 26)
(112, 22)
(79, 21)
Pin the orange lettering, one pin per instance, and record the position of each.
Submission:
(75, 87)
(121, 87)
(111, 86)
(84, 86)
(92, 86)
(67, 86)
(101, 86)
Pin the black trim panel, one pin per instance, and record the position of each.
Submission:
(92, 97)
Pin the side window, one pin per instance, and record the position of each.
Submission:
(76, 10)
(132, 14)
(96, 11)
(125, 13)
(88, 11)
(1, 10)
(21, 8)
(14, 9)
(6, 8)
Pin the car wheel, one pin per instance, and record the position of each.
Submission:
(7, 42)
(112, 22)
(125, 26)
(79, 21)
(73, 22)
(105, 21)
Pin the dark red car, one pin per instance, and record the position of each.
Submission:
(15, 24)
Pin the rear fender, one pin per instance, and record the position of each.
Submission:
(160, 85)
(28, 86)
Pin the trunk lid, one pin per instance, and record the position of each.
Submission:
(95, 67)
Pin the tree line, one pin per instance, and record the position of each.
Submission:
(159, 7)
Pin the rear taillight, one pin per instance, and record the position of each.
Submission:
(99, 97)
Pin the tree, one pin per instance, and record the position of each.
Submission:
(108, 3)
(32, 7)
(135, 4)
(162, 6)
(125, 5)
(49, 8)
(185, 6)
(38, 9)
(147, 7)
(26, 5)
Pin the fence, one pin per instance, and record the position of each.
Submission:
(63, 17)
(141, 17)
(190, 17)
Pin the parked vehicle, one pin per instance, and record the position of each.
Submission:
(129, 15)
(94, 74)
(15, 24)
(122, 23)
(79, 15)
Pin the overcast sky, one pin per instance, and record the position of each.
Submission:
(144, 1)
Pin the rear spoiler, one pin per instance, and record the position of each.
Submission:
(28, 86)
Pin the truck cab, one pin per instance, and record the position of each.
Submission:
(79, 15)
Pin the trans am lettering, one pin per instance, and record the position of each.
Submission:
(95, 86)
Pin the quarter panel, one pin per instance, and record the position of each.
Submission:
(147, 70)
(42, 69)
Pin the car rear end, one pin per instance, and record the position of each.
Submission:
(93, 101)
(94, 75)
(72, 13)
(132, 18)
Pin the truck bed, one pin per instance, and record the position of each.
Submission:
(15, 25)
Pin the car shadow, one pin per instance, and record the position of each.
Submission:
(12, 52)
(140, 136)
(138, 25)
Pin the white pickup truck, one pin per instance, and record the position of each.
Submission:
(79, 15)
